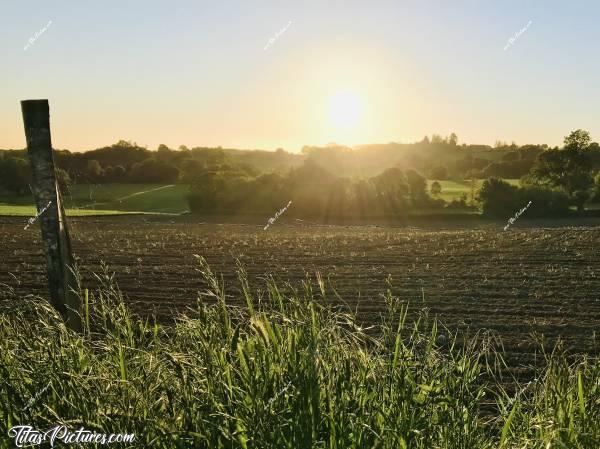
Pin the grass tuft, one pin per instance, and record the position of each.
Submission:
(287, 371)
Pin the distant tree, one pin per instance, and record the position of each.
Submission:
(437, 139)
(501, 200)
(417, 185)
(460, 203)
(453, 139)
(363, 198)
(183, 148)
(463, 167)
(190, 168)
(165, 154)
(438, 172)
(125, 144)
(119, 174)
(63, 179)
(596, 192)
(507, 169)
(531, 152)
(207, 192)
(436, 188)
(569, 169)
(511, 156)
(15, 175)
(498, 198)
(152, 170)
(93, 171)
(213, 157)
(578, 140)
(115, 174)
(544, 202)
(391, 189)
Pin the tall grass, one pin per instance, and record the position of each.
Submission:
(288, 370)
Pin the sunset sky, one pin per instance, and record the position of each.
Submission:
(352, 72)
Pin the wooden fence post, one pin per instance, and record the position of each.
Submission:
(55, 234)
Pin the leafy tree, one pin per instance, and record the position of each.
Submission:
(460, 203)
(211, 156)
(502, 200)
(498, 198)
(15, 175)
(119, 173)
(437, 139)
(363, 196)
(63, 179)
(206, 193)
(152, 170)
(511, 156)
(190, 168)
(596, 193)
(436, 188)
(438, 172)
(569, 169)
(315, 192)
(453, 139)
(93, 171)
(579, 140)
(392, 189)
(507, 169)
(417, 185)
(125, 144)
(544, 202)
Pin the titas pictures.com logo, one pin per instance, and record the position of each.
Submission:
(25, 436)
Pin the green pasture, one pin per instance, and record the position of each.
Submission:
(89, 199)
(454, 189)
(30, 211)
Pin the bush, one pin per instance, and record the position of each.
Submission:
(436, 188)
(499, 199)
(544, 202)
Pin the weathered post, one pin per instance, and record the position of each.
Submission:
(55, 234)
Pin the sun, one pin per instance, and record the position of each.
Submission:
(344, 109)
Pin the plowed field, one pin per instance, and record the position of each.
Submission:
(517, 283)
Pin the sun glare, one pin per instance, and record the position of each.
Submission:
(344, 109)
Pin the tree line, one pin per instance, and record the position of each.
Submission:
(558, 180)
(385, 179)
(315, 192)
(126, 162)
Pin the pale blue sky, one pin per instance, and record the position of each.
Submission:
(196, 73)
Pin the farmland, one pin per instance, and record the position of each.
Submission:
(114, 199)
(453, 190)
(519, 284)
(102, 199)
